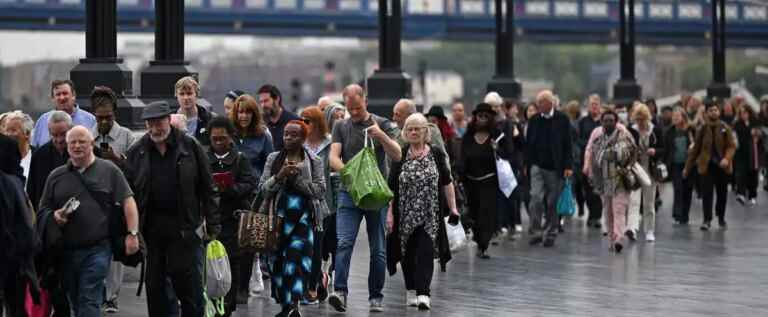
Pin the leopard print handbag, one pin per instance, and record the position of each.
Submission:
(258, 228)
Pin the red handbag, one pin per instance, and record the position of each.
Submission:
(37, 310)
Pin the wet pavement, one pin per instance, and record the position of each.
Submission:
(686, 272)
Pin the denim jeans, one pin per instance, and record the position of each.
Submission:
(348, 218)
(83, 276)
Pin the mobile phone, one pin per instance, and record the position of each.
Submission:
(71, 205)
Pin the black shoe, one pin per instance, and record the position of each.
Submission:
(630, 235)
(483, 255)
(294, 312)
(597, 224)
(242, 298)
(535, 240)
(549, 242)
(110, 307)
(723, 224)
(338, 302)
(617, 247)
(705, 226)
(560, 229)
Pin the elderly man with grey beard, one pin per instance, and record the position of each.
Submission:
(171, 176)
(95, 185)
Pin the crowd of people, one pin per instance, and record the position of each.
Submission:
(180, 185)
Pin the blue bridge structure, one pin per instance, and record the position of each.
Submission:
(658, 22)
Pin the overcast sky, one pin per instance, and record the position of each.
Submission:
(24, 46)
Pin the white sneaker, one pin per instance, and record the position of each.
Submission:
(650, 237)
(740, 199)
(256, 284)
(424, 302)
(753, 202)
(411, 299)
(518, 228)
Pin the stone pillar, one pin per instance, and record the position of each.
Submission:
(158, 80)
(389, 83)
(718, 87)
(101, 66)
(504, 81)
(626, 90)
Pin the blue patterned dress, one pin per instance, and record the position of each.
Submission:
(292, 262)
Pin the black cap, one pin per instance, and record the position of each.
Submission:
(436, 111)
(157, 109)
(483, 107)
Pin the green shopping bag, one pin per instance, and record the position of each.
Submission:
(363, 180)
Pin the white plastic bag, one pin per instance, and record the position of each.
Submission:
(457, 238)
(641, 174)
(507, 179)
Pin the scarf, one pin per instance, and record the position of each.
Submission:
(612, 154)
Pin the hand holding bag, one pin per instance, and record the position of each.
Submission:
(363, 180)
(507, 179)
(566, 205)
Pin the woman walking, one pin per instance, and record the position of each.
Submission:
(747, 158)
(255, 142)
(477, 169)
(421, 181)
(234, 182)
(319, 143)
(292, 178)
(609, 154)
(650, 149)
(677, 141)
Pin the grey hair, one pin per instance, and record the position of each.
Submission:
(60, 116)
(416, 119)
(26, 121)
(546, 94)
(410, 106)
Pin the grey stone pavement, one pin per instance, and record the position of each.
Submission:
(685, 273)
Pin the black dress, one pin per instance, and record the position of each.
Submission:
(478, 163)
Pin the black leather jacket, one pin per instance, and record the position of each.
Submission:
(196, 197)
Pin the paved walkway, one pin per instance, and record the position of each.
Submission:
(685, 273)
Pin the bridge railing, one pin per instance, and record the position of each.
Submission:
(645, 10)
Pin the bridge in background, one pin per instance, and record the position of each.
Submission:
(659, 22)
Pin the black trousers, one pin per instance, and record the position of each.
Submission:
(12, 292)
(180, 259)
(593, 200)
(715, 180)
(683, 193)
(578, 191)
(419, 262)
(747, 182)
(316, 274)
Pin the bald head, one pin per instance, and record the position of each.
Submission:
(402, 110)
(80, 146)
(354, 100)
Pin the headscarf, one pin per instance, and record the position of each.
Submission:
(604, 172)
(329, 111)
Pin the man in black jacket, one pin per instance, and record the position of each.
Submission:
(49, 156)
(548, 149)
(171, 178)
(587, 124)
(187, 90)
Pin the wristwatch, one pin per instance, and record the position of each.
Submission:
(134, 233)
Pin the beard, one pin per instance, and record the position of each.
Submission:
(160, 138)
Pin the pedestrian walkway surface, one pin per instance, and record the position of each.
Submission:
(685, 273)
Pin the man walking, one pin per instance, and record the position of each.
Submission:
(271, 101)
(548, 149)
(172, 179)
(348, 140)
(63, 96)
(49, 156)
(712, 156)
(587, 124)
(187, 90)
(85, 225)
(113, 140)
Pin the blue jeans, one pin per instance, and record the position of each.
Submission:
(348, 218)
(84, 273)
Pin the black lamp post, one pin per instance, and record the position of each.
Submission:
(626, 90)
(389, 83)
(101, 66)
(503, 81)
(718, 87)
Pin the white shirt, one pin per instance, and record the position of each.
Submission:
(25, 161)
(549, 114)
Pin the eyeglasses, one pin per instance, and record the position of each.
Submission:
(306, 120)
